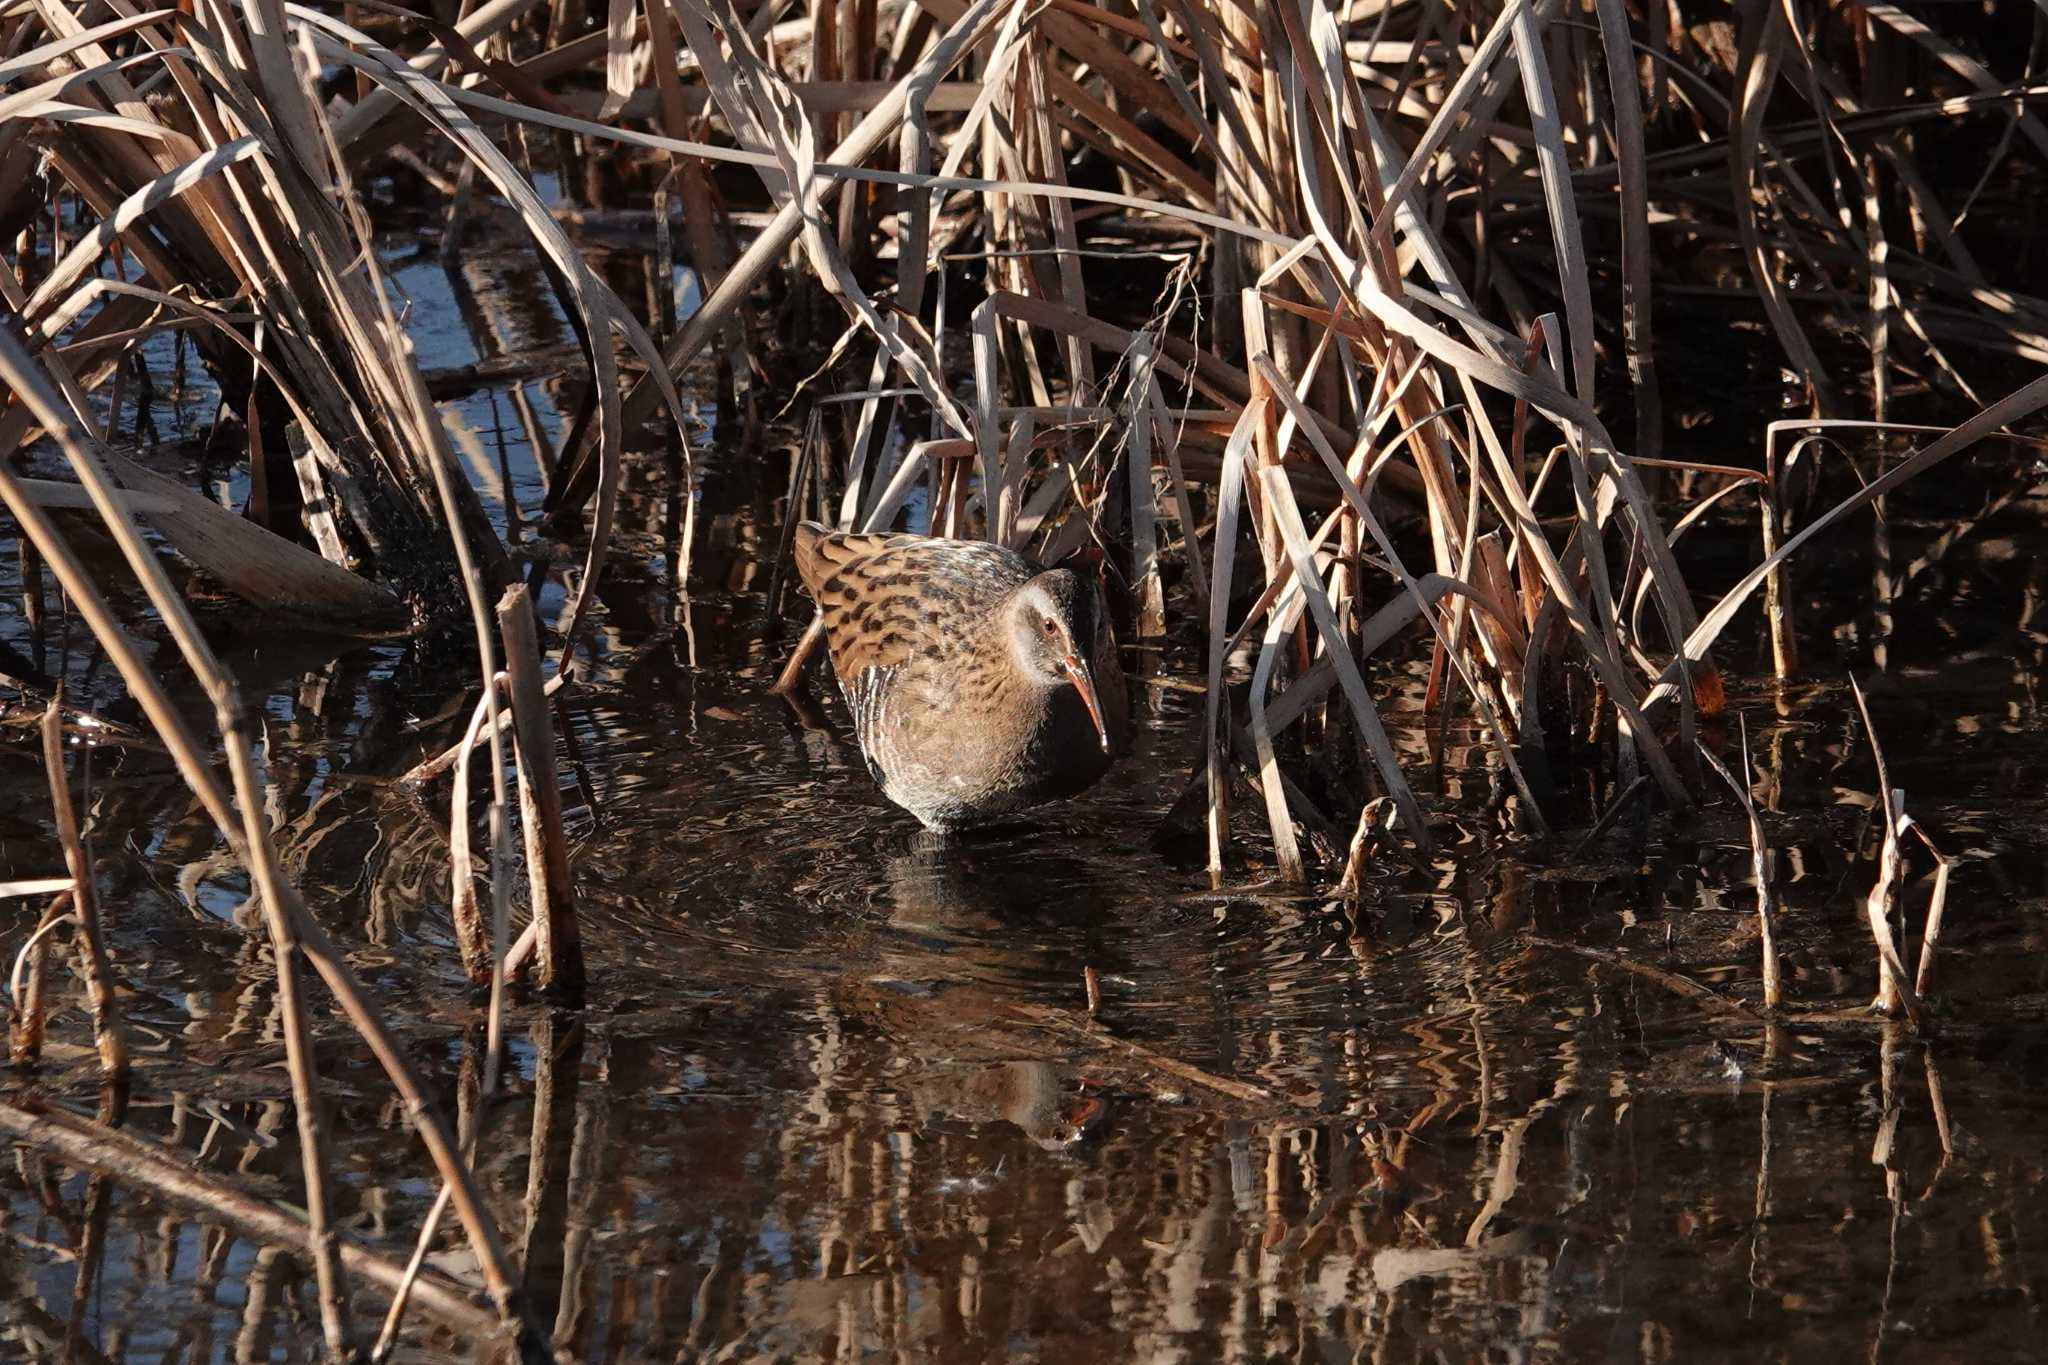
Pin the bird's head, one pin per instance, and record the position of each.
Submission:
(1052, 627)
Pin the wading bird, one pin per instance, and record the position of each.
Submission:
(980, 683)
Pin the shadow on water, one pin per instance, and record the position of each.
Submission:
(838, 1096)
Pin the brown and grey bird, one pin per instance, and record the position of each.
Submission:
(980, 683)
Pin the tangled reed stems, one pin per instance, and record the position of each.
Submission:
(1399, 250)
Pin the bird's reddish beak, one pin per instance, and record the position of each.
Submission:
(1084, 683)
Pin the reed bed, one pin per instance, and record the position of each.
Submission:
(1322, 325)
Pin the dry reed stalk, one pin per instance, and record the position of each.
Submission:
(247, 835)
(1895, 993)
(78, 585)
(791, 675)
(595, 302)
(1760, 868)
(1280, 623)
(1779, 609)
(1287, 521)
(767, 248)
(413, 400)
(1151, 607)
(324, 302)
(266, 877)
(1062, 1021)
(1361, 509)
(168, 1177)
(1375, 822)
(521, 951)
(1987, 423)
(92, 948)
(427, 769)
(476, 25)
(401, 1294)
(540, 803)
(1229, 501)
(1930, 936)
(195, 208)
(28, 983)
(472, 938)
(1671, 981)
(1778, 601)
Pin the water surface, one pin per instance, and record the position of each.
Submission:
(837, 1094)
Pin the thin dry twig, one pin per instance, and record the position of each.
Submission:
(1671, 981)
(1087, 1030)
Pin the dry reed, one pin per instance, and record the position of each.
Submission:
(1392, 243)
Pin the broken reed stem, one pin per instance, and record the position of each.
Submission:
(517, 956)
(1375, 830)
(92, 949)
(167, 1177)
(1894, 992)
(1216, 723)
(1882, 905)
(540, 803)
(1759, 865)
(472, 937)
(426, 770)
(25, 1035)
(1778, 586)
(1930, 935)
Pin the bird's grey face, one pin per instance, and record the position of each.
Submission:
(1044, 627)
(1052, 628)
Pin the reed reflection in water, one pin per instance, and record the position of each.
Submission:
(839, 1094)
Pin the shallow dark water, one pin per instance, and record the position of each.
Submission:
(835, 1098)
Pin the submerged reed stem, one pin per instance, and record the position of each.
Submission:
(92, 946)
(540, 804)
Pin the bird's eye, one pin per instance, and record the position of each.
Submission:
(1051, 627)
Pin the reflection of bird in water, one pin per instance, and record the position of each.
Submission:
(1013, 910)
(974, 932)
(980, 683)
(1032, 1096)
